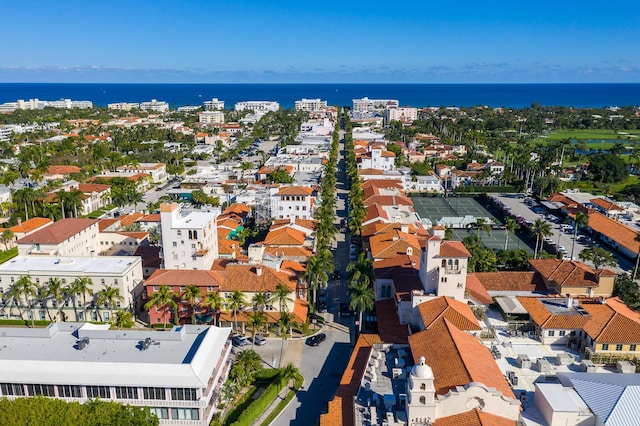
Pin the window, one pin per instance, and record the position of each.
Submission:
(154, 393)
(618, 347)
(552, 333)
(193, 246)
(179, 233)
(69, 391)
(12, 389)
(605, 346)
(423, 400)
(45, 390)
(98, 392)
(161, 412)
(126, 392)
(423, 386)
(183, 394)
(561, 333)
(185, 414)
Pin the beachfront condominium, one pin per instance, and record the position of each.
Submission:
(213, 105)
(310, 104)
(259, 107)
(155, 106)
(124, 106)
(211, 117)
(403, 114)
(365, 104)
(178, 374)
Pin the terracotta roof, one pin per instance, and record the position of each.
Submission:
(105, 223)
(453, 249)
(93, 187)
(295, 190)
(228, 223)
(387, 154)
(340, 408)
(565, 273)
(456, 358)
(237, 208)
(457, 312)
(58, 231)
(605, 204)
(559, 198)
(288, 251)
(130, 219)
(375, 211)
(184, 277)
(474, 417)
(616, 231)
(309, 224)
(477, 291)
(370, 172)
(382, 183)
(150, 218)
(511, 281)
(63, 170)
(389, 327)
(379, 228)
(245, 278)
(389, 200)
(31, 225)
(285, 236)
(227, 247)
(392, 244)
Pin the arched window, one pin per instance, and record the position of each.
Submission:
(450, 263)
(456, 263)
(444, 263)
(423, 400)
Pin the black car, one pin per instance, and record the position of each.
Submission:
(317, 339)
(335, 275)
(322, 307)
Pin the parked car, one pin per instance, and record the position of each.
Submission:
(322, 307)
(239, 340)
(317, 339)
(259, 340)
(344, 310)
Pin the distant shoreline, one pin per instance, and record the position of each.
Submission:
(509, 95)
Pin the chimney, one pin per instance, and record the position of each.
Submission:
(404, 228)
(19, 221)
(568, 300)
(259, 270)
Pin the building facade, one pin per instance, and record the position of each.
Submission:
(310, 104)
(259, 107)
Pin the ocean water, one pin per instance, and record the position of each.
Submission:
(417, 95)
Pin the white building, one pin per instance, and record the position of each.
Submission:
(377, 158)
(213, 105)
(366, 104)
(310, 104)
(123, 106)
(211, 117)
(292, 202)
(404, 114)
(178, 373)
(154, 105)
(5, 133)
(121, 272)
(157, 171)
(68, 103)
(65, 237)
(260, 107)
(189, 237)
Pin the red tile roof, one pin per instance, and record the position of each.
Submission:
(566, 273)
(511, 281)
(616, 231)
(58, 232)
(389, 327)
(458, 313)
(477, 291)
(31, 225)
(295, 190)
(453, 249)
(457, 358)
(474, 417)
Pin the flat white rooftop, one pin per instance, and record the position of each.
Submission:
(32, 265)
(195, 219)
(185, 356)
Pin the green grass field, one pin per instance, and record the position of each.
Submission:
(597, 138)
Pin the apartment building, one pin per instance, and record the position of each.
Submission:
(211, 117)
(154, 105)
(292, 202)
(123, 106)
(213, 105)
(189, 237)
(259, 107)
(365, 104)
(121, 272)
(403, 114)
(178, 374)
(310, 104)
(65, 237)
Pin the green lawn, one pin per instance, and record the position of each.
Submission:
(586, 134)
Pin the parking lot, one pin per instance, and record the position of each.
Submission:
(562, 233)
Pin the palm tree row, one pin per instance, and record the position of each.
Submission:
(27, 293)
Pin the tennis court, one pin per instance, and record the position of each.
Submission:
(436, 208)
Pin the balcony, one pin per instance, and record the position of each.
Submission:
(451, 271)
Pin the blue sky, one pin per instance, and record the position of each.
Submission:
(347, 41)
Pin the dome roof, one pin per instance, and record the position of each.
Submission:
(422, 370)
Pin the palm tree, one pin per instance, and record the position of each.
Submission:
(214, 302)
(55, 290)
(482, 225)
(581, 219)
(361, 297)
(122, 319)
(540, 229)
(7, 237)
(361, 271)
(284, 324)
(236, 301)
(25, 196)
(315, 274)
(257, 320)
(259, 301)
(163, 299)
(82, 286)
(25, 289)
(108, 297)
(282, 297)
(510, 226)
(191, 294)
